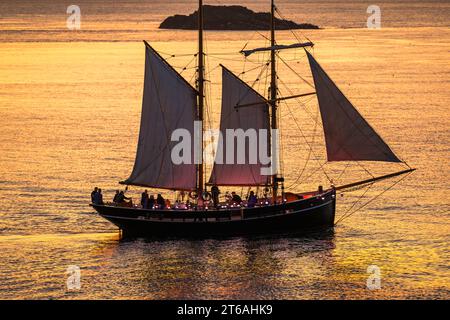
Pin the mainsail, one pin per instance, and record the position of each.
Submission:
(169, 103)
(348, 136)
(255, 115)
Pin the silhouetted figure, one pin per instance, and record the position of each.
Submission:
(151, 202)
(235, 198)
(160, 201)
(98, 197)
(116, 197)
(252, 200)
(215, 195)
(144, 199)
(121, 198)
(266, 195)
(93, 194)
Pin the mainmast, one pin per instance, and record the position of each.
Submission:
(273, 99)
(201, 97)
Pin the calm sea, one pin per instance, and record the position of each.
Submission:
(69, 116)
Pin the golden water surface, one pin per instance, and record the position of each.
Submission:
(69, 117)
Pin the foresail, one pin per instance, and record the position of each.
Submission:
(168, 104)
(348, 135)
(254, 116)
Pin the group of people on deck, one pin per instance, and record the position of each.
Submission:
(252, 200)
(120, 198)
(233, 199)
(150, 202)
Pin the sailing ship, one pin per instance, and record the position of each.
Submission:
(170, 103)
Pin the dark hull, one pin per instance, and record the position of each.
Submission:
(301, 216)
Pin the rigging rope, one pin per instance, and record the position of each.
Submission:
(315, 119)
(358, 200)
(295, 72)
(211, 70)
(252, 69)
(298, 100)
(295, 183)
(307, 142)
(292, 31)
(306, 109)
(176, 55)
(217, 57)
(345, 216)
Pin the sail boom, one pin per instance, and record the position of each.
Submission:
(127, 183)
(296, 96)
(277, 48)
(387, 176)
(237, 184)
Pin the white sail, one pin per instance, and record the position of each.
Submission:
(348, 135)
(254, 115)
(169, 103)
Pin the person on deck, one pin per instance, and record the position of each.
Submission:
(116, 197)
(235, 198)
(93, 194)
(252, 200)
(144, 199)
(151, 202)
(160, 201)
(98, 197)
(182, 195)
(121, 198)
(215, 195)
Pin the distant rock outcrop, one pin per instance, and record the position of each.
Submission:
(230, 18)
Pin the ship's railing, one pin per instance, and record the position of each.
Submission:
(237, 212)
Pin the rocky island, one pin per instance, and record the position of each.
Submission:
(230, 18)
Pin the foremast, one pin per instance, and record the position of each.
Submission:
(201, 101)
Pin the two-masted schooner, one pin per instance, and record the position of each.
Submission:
(171, 103)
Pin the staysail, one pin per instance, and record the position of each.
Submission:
(228, 169)
(348, 135)
(169, 103)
